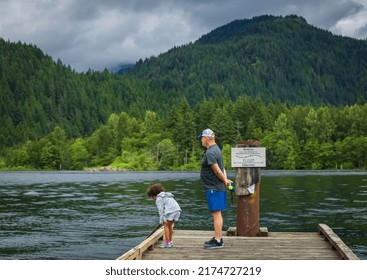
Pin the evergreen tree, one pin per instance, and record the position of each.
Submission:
(182, 126)
(282, 145)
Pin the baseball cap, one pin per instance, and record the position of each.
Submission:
(207, 133)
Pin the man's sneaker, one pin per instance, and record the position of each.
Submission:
(212, 240)
(209, 241)
(214, 244)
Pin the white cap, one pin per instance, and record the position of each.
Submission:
(207, 133)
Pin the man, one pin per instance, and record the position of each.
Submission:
(215, 183)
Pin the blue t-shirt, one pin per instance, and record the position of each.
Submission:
(210, 181)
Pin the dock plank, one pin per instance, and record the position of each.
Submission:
(188, 245)
(280, 246)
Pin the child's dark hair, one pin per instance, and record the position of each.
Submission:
(155, 189)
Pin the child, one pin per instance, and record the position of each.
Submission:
(168, 209)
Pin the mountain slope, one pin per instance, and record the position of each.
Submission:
(37, 94)
(275, 58)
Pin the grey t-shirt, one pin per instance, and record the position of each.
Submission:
(210, 181)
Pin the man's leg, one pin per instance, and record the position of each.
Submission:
(218, 224)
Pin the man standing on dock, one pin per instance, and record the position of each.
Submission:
(215, 184)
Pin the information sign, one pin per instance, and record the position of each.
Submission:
(248, 157)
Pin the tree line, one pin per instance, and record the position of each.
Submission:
(295, 137)
(275, 58)
(300, 90)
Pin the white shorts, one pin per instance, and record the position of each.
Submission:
(174, 216)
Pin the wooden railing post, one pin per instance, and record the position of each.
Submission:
(247, 183)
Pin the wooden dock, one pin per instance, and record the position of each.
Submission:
(188, 245)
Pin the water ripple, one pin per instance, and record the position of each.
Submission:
(76, 215)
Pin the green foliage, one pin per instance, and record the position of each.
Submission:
(275, 58)
(101, 146)
(298, 89)
(297, 138)
(182, 125)
(282, 145)
(79, 154)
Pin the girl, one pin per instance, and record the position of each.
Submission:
(168, 209)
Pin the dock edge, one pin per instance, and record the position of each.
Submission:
(337, 243)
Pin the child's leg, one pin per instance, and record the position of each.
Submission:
(168, 230)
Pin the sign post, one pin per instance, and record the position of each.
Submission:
(247, 158)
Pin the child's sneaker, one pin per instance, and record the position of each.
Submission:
(166, 245)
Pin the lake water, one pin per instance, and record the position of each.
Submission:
(101, 215)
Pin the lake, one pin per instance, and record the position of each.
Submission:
(100, 215)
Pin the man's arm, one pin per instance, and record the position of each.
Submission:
(220, 174)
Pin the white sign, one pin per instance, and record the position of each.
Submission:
(248, 157)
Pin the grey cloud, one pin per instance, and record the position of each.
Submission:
(97, 34)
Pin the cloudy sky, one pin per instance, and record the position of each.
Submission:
(100, 34)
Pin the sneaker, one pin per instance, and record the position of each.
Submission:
(214, 244)
(212, 240)
(166, 245)
(209, 241)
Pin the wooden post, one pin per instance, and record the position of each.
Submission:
(248, 213)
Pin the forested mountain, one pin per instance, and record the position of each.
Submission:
(37, 94)
(297, 88)
(275, 58)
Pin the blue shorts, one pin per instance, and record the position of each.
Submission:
(217, 200)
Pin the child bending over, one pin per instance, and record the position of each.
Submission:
(168, 208)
